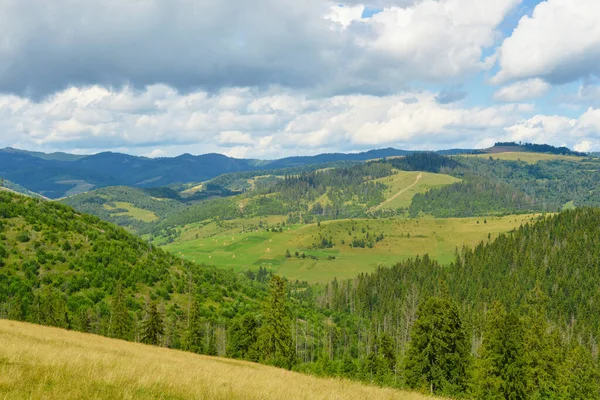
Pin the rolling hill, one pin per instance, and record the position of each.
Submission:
(71, 270)
(44, 362)
(59, 174)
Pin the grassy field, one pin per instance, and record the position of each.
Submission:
(132, 211)
(39, 362)
(241, 244)
(403, 185)
(530, 158)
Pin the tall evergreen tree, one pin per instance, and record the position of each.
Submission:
(542, 355)
(275, 335)
(120, 318)
(243, 336)
(438, 355)
(579, 378)
(500, 368)
(194, 335)
(152, 327)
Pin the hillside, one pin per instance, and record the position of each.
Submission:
(43, 362)
(71, 270)
(333, 249)
(58, 175)
(62, 268)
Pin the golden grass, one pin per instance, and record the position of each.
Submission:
(40, 362)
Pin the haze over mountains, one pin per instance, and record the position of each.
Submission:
(59, 174)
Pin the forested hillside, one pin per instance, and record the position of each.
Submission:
(58, 175)
(508, 319)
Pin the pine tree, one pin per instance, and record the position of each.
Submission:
(438, 355)
(194, 335)
(541, 355)
(152, 327)
(499, 371)
(121, 320)
(275, 335)
(243, 337)
(579, 376)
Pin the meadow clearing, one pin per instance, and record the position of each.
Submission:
(132, 211)
(241, 244)
(403, 185)
(38, 362)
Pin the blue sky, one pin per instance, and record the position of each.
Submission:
(273, 78)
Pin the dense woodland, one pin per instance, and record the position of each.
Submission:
(512, 318)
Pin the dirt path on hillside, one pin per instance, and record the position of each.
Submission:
(397, 194)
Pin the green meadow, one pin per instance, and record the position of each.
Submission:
(402, 186)
(246, 244)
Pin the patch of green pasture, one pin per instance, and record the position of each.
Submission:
(403, 185)
(132, 211)
(403, 238)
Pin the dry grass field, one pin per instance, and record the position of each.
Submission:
(39, 362)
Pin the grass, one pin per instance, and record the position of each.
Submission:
(132, 211)
(530, 158)
(39, 362)
(240, 245)
(403, 185)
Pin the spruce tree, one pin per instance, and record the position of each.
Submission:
(194, 335)
(152, 327)
(243, 337)
(438, 357)
(578, 379)
(275, 335)
(121, 320)
(541, 348)
(499, 371)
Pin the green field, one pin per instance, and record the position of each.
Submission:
(241, 244)
(403, 185)
(530, 158)
(132, 211)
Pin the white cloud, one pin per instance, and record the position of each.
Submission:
(559, 42)
(582, 134)
(524, 90)
(313, 45)
(159, 121)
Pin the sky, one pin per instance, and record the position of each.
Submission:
(274, 78)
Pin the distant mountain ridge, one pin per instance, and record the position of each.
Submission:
(58, 174)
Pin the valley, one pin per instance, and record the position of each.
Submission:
(247, 244)
(335, 270)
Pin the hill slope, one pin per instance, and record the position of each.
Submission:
(43, 362)
(57, 175)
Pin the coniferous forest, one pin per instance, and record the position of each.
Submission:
(511, 318)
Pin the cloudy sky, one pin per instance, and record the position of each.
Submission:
(272, 78)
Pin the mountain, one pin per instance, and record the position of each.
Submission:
(58, 175)
(56, 156)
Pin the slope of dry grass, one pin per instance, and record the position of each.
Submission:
(41, 362)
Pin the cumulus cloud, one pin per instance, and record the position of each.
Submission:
(582, 134)
(560, 42)
(189, 45)
(160, 121)
(524, 90)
